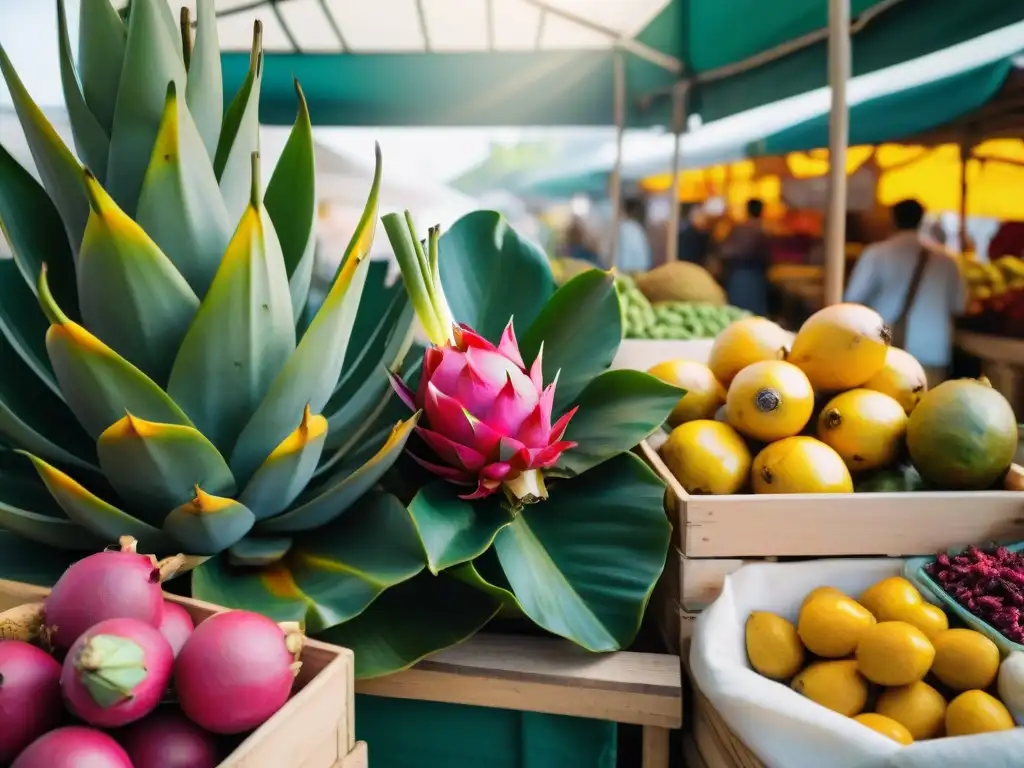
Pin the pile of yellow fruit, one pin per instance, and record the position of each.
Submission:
(774, 412)
(887, 659)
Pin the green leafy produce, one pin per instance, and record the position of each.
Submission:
(678, 320)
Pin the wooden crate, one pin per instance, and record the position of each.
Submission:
(716, 535)
(315, 729)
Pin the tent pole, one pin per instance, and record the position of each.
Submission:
(965, 156)
(678, 126)
(620, 126)
(838, 135)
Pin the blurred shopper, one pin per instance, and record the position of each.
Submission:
(578, 243)
(694, 238)
(745, 256)
(1008, 241)
(917, 290)
(634, 250)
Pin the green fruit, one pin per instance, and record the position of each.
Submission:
(903, 479)
(962, 435)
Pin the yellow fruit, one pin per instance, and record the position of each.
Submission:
(773, 646)
(830, 625)
(834, 684)
(918, 707)
(965, 659)
(888, 596)
(800, 465)
(929, 618)
(821, 591)
(707, 457)
(976, 712)
(885, 726)
(769, 400)
(865, 427)
(746, 341)
(894, 653)
(841, 346)
(902, 378)
(704, 395)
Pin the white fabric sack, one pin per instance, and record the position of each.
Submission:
(786, 730)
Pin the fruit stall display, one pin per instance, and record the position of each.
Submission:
(995, 297)
(772, 421)
(107, 671)
(676, 320)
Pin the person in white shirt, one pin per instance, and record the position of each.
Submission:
(882, 277)
(633, 248)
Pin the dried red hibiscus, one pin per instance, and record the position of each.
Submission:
(987, 582)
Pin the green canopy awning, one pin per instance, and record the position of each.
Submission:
(903, 115)
(550, 62)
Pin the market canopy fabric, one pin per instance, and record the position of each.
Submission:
(550, 62)
(910, 113)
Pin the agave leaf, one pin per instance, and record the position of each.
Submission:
(98, 384)
(287, 470)
(29, 562)
(91, 139)
(312, 371)
(129, 291)
(291, 203)
(33, 417)
(255, 552)
(28, 510)
(241, 336)
(23, 325)
(170, 24)
(155, 467)
(207, 525)
(180, 205)
(101, 42)
(82, 506)
(240, 134)
(376, 294)
(335, 498)
(328, 576)
(59, 170)
(205, 90)
(34, 230)
(152, 59)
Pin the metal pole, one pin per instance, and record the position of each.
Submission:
(965, 156)
(678, 126)
(620, 127)
(838, 135)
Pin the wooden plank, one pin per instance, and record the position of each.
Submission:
(655, 747)
(998, 349)
(544, 675)
(701, 580)
(357, 758)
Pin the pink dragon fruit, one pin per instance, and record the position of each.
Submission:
(488, 419)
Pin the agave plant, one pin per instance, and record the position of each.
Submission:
(164, 374)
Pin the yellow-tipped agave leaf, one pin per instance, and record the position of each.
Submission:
(205, 90)
(253, 552)
(312, 372)
(328, 503)
(242, 335)
(98, 384)
(155, 466)
(91, 512)
(130, 293)
(52, 530)
(102, 37)
(291, 203)
(23, 325)
(58, 169)
(208, 524)
(91, 140)
(240, 133)
(152, 59)
(180, 205)
(287, 470)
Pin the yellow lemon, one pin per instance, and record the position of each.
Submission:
(704, 395)
(976, 712)
(965, 659)
(918, 707)
(834, 684)
(841, 346)
(929, 618)
(902, 378)
(800, 465)
(888, 596)
(746, 341)
(885, 726)
(865, 427)
(830, 625)
(821, 591)
(773, 646)
(894, 653)
(707, 457)
(769, 400)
